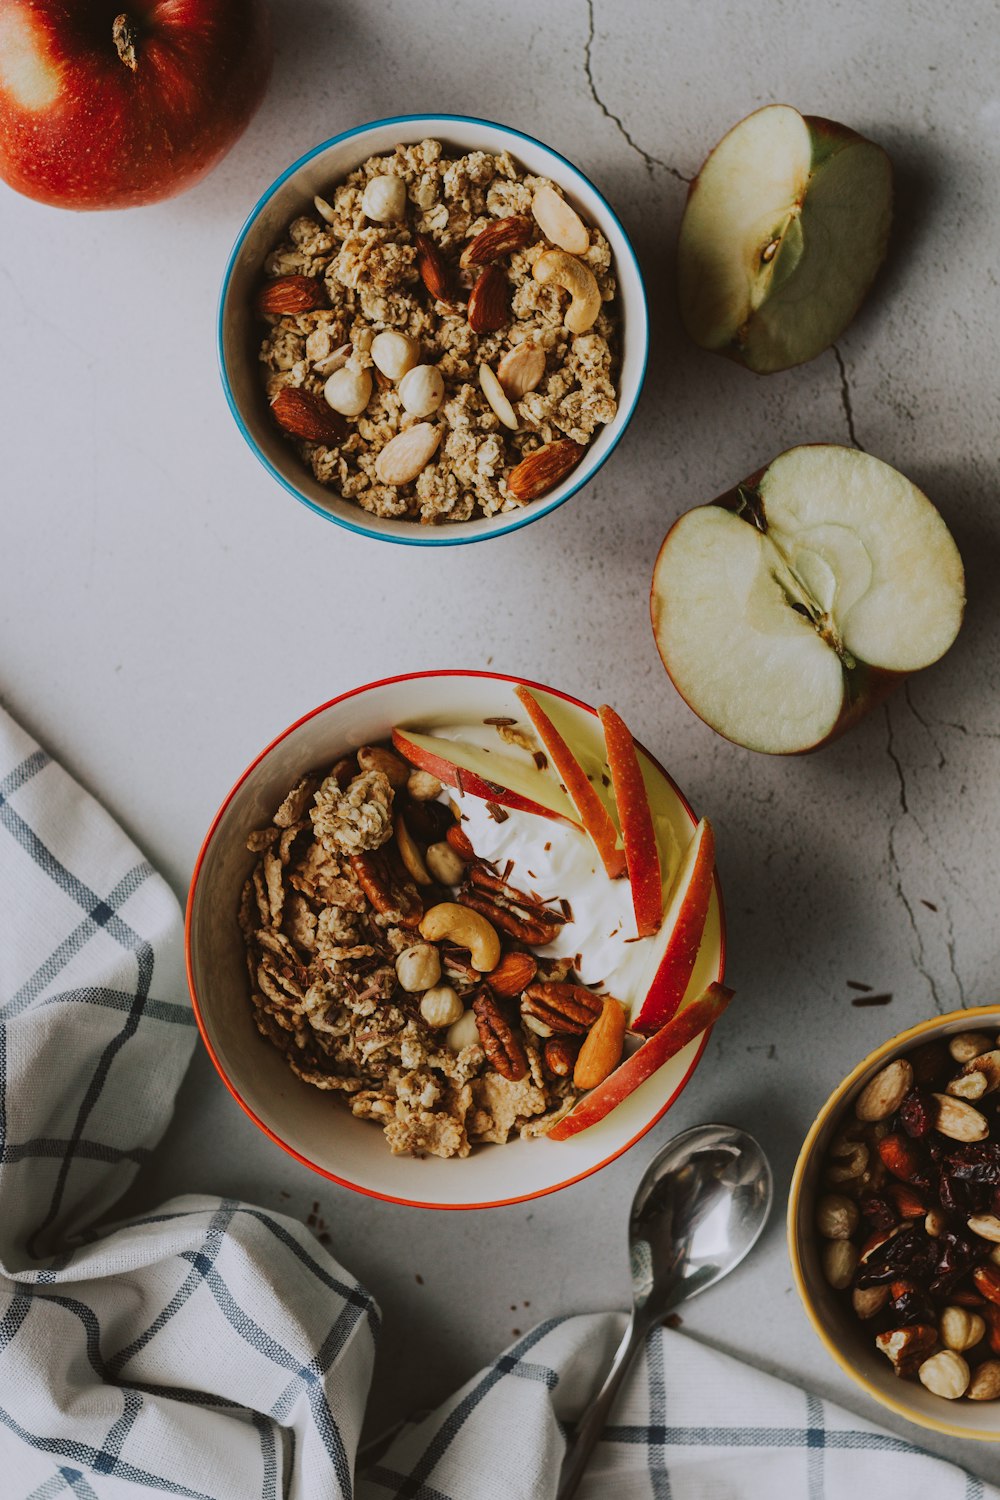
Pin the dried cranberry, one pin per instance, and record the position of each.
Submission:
(930, 1063)
(956, 1256)
(879, 1211)
(911, 1307)
(911, 1254)
(978, 1161)
(917, 1114)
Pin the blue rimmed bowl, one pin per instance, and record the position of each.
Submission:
(292, 194)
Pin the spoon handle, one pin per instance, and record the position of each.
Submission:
(592, 1423)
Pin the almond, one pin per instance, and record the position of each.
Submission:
(489, 301)
(886, 1091)
(543, 469)
(558, 221)
(959, 1121)
(291, 294)
(460, 841)
(500, 238)
(432, 267)
(602, 1047)
(306, 416)
(521, 369)
(512, 973)
(403, 457)
(494, 393)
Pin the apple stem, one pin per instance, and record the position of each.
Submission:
(125, 36)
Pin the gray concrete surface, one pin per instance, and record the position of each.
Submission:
(166, 609)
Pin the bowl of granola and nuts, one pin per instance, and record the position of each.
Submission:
(432, 330)
(894, 1224)
(408, 981)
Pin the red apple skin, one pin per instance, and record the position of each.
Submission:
(681, 943)
(82, 128)
(865, 687)
(638, 834)
(468, 782)
(659, 1049)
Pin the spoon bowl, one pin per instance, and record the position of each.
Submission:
(698, 1211)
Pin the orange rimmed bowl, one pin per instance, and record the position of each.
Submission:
(845, 1337)
(305, 1121)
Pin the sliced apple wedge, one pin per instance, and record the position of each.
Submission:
(659, 1049)
(795, 602)
(488, 774)
(593, 814)
(675, 948)
(638, 834)
(784, 229)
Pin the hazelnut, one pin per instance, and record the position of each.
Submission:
(394, 353)
(423, 787)
(985, 1382)
(384, 199)
(836, 1216)
(444, 864)
(464, 1033)
(869, 1300)
(348, 390)
(840, 1259)
(418, 968)
(441, 1006)
(935, 1223)
(421, 390)
(945, 1374)
(960, 1329)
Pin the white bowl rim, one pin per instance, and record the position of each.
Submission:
(203, 1029)
(429, 536)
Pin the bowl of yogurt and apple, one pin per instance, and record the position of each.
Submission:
(517, 806)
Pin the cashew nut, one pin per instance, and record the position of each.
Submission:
(418, 968)
(409, 853)
(466, 929)
(577, 279)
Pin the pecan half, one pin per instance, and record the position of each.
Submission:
(510, 910)
(567, 1008)
(560, 1055)
(500, 1035)
(384, 880)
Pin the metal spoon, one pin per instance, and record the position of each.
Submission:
(699, 1209)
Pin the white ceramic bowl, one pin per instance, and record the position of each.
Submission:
(292, 194)
(307, 1122)
(846, 1338)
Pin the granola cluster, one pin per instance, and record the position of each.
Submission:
(331, 918)
(372, 279)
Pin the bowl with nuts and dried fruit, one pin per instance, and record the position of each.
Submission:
(894, 1224)
(451, 913)
(432, 329)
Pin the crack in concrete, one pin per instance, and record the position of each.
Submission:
(845, 397)
(651, 162)
(926, 725)
(891, 752)
(921, 953)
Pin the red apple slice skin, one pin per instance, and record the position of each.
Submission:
(638, 834)
(651, 1056)
(681, 934)
(593, 813)
(431, 754)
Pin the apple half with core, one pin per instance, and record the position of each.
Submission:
(106, 105)
(488, 774)
(795, 602)
(784, 229)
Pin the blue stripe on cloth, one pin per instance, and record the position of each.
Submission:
(202, 1260)
(848, 1440)
(413, 1486)
(83, 1453)
(17, 1311)
(66, 1479)
(44, 1146)
(15, 780)
(656, 1457)
(269, 1456)
(107, 999)
(815, 1443)
(88, 1320)
(343, 1326)
(351, 1293)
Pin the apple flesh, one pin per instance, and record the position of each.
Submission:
(647, 1060)
(784, 229)
(638, 834)
(488, 774)
(593, 814)
(107, 107)
(675, 950)
(792, 604)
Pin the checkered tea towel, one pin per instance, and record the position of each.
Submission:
(216, 1351)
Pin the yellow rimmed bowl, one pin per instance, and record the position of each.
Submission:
(846, 1338)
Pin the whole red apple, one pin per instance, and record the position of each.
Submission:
(102, 107)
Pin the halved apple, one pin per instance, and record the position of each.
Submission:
(593, 814)
(647, 1060)
(785, 227)
(675, 947)
(793, 603)
(638, 834)
(486, 773)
